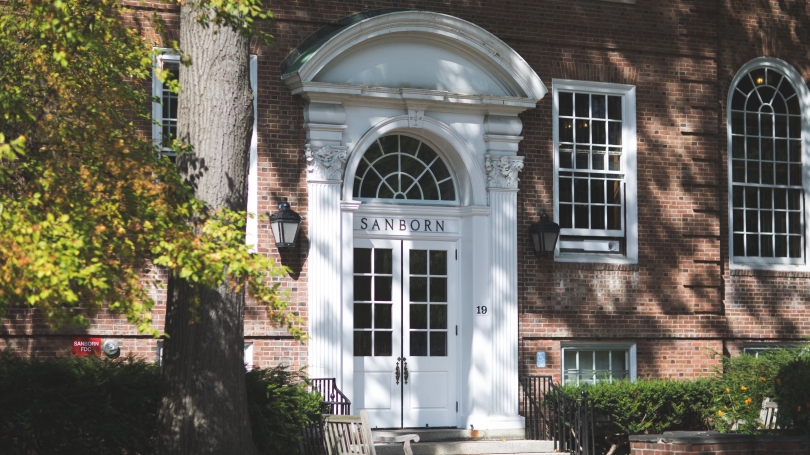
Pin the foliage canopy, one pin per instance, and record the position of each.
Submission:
(86, 202)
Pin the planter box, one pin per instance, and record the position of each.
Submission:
(710, 442)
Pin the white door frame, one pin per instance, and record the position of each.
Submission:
(405, 400)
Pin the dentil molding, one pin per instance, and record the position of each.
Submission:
(325, 163)
(502, 171)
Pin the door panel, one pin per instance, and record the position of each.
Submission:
(404, 332)
(429, 297)
(377, 330)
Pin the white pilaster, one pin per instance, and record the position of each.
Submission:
(502, 182)
(324, 179)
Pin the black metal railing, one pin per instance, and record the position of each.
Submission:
(334, 401)
(553, 415)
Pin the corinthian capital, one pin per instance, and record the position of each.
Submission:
(326, 163)
(502, 171)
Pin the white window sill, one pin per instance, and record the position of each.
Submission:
(771, 267)
(599, 258)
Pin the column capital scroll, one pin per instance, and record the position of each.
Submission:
(326, 162)
(502, 171)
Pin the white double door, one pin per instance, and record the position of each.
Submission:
(405, 332)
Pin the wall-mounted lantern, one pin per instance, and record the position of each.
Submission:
(285, 224)
(544, 236)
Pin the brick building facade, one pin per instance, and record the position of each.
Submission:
(647, 280)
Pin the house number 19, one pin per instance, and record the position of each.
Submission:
(481, 310)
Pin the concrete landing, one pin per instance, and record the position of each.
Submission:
(522, 447)
(455, 434)
(454, 441)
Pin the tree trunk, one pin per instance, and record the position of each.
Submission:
(204, 407)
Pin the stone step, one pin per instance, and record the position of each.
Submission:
(480, 447)
(454, 434)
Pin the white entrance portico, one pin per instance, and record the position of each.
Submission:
(412, 140)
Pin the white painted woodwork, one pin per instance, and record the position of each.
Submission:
(503, 302)
(324, 306)
(460, 89)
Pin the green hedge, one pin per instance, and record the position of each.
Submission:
(779, 374)
(91, 406)
(77, 405)
(645, 406)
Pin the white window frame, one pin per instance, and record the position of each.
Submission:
(628, 94)
(252, 224)
(756, 348)
(793, 76)
(600, 346)
(248, 356)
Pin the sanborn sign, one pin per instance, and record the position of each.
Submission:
(401, 225)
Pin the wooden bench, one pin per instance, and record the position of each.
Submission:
(351, 435)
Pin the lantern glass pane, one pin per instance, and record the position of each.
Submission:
(290, 229)
(276, 228)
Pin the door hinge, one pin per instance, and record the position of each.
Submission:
(456, 330)
(456, 406)
(457, 255)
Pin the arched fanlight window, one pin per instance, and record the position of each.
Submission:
(766, 168)
(405, 169)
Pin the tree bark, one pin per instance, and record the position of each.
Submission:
(204, 407)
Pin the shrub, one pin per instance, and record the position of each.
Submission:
(747, 380)
(278, 402)
(93, 406)
(77, 405)
(793, 394)
(646, 406)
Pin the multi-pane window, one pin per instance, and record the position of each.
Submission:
(595, 167)
(164, 127)
(165, 113)
(767, 193)
(428, 303)
(592, 365)
(403, 168)
(373, 282)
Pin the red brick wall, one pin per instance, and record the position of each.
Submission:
(681, 302)
(732, 448)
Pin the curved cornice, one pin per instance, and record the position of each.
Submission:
(506, 64)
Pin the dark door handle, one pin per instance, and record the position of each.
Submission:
(396, 371)
(404, 370)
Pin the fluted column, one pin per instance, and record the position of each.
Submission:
(324, 178)
(502, 184)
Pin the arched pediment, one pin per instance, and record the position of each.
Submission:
(417, 50)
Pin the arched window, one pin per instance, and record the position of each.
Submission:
(766, 156)
(404, 169)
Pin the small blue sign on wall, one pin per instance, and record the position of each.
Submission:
(541, 359)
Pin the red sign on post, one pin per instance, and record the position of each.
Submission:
(86, 346)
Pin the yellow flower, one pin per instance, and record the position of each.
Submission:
(762, 379)
(728, 390)
(748, 401)
(725, 407)
(720, 413)
(742, 387)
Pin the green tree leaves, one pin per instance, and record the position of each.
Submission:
(86, 203)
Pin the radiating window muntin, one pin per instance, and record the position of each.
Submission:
(591, 170)
(589, 366)
(406, 170)
(766, 168)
